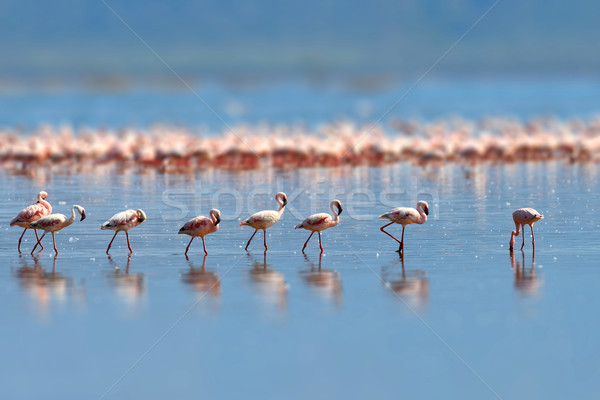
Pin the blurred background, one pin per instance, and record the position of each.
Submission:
(118, 63)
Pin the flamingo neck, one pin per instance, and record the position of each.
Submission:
(72, 219)
(281, 206)
(45, 204)
(214, 218)
(336, 216)
(423, 218)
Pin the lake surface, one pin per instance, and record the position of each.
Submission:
(458, 317)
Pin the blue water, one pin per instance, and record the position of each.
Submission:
(299, 102)
(457, 318)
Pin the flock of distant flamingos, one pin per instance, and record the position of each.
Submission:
(38, 216)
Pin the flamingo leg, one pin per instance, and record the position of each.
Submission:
(128, 244)
(110, 244)
(320, 245)
(392, 236)
(39, 242)
(188, 246)
(532, 236)
(523, 229)
(249, 240)
(402, 240)
(54, 243)
(305, 243)
(22, 234)
(204, 245)
(265, 239)
(37, 237)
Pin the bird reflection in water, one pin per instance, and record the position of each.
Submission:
(202, 280)
(526, 282)
(129, 287)
(46, 286)
(411, 285)
(271, 284)
(325, 282)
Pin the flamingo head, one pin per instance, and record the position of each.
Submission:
(81, 211)
(141, 215)
(217, 215)
(42, 195)
(337, 204)
(281, 198)
(424, 206)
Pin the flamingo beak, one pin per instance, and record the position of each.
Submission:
(426, 209)
(285, 201)
(340, 209)
(82, 215)
(218, 220)
(181, 230)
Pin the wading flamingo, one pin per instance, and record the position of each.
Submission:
(522, 217)
(201, 226)
(124, 221)
(320, 222)
(406, 216)
(55, 222)
(30, 214)
(265, 219)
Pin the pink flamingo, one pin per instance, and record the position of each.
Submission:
(201, 226)
(30, 214)
(406, 216)
(124, 221)
(265, 219)
(320, 222)
(55, 222)
(522, 217)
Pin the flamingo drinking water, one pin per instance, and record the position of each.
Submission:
(30, 214)
(522, 217)
(320, 222)
(265, 219)
(55, 222)
(406, 216)
(124, 221)
(201, 226)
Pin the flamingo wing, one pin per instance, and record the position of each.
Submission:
(30, 214)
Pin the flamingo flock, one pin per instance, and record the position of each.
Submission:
(38, 217)
(179, 150)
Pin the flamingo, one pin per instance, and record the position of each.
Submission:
(30, 214)
(55, 222)
(124, 221)
(406, 216)
(201, 226)
(320, 222)
(522, 217)
(265, 219)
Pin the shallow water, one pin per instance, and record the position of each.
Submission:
(458, 317)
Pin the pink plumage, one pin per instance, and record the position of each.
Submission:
(405, 216)
(522, 217)
(55, 222)
(124, 221)
(320, 222)
(265, 219)
(200, 227)
(30, 214)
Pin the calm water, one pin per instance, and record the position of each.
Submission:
(458, 317)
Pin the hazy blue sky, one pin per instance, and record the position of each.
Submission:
(82, 38)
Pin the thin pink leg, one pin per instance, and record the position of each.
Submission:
(402, 240)
(392, 236)
(204, 245)
(39, 242)
(37, 237)
(320, 245)
(265, 239)
(54, 243)
(523, 232)
(22, 234)
(249, 240)
(305, 243)
(188, 246)
(532, 236)
(128, 244)
(110, 244)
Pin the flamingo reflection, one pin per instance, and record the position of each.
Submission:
(271, 284)
(412, 285)
(45, 286)
(202, 280)
(325, 282)
(129, 287)
(526, 282)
